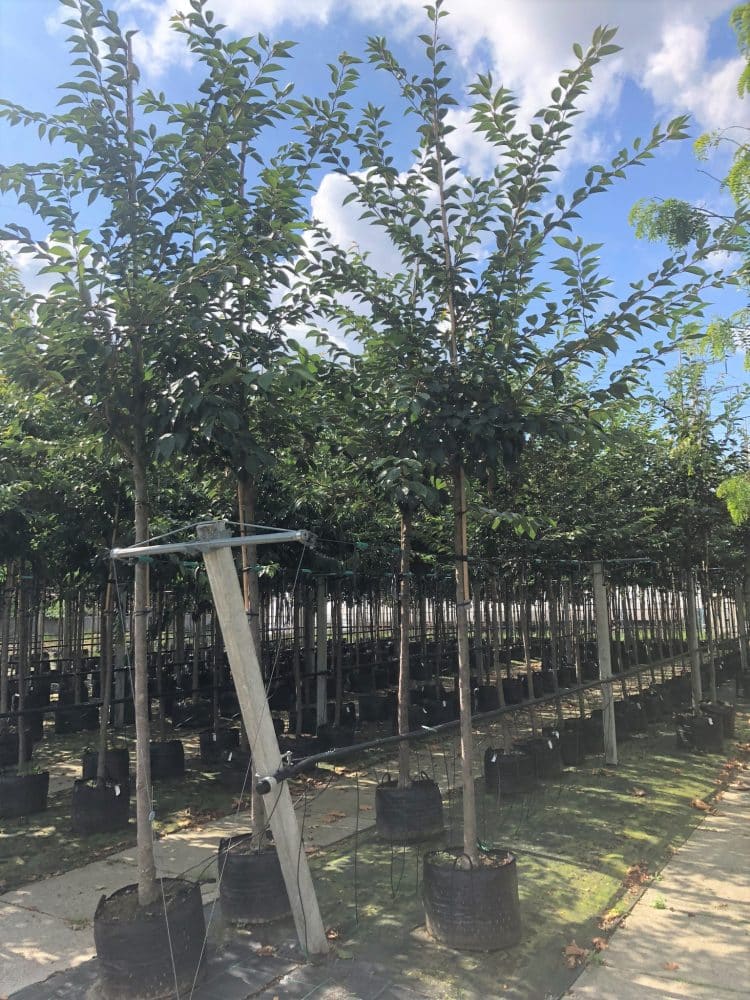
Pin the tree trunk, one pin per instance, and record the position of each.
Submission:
(147, 890)
(403, 652)
(22, 657)
(105, 677)
(5, 621)
(464, 667)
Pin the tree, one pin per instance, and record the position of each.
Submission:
(490, 338)
(129, 291)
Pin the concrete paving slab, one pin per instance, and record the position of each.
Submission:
(74, 895)
(603, 983)
(33, 945)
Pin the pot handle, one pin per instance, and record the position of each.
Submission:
(425, 776)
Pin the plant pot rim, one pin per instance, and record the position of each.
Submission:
(456, 852)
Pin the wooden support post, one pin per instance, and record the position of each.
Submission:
(321, 658)
(605, 663)
(693, 647)
(266, 757)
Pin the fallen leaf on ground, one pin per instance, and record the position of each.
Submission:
(636, 875)
(365, 809)
(599, 943)
(702, 806)
(640, 793)
(574, 955)
(266, 949)
(741, 787)
(671, 966)
(332, 933)
(609, 921)
(332, 816)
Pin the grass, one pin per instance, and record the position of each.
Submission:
(586, 845)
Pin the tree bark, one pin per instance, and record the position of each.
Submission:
(403, 652)
(464, 666)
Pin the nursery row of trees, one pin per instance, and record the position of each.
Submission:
(206, 348)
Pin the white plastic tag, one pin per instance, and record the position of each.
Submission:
(493, 758)
(556, 734)
(117, 789)
(550, 744)
(638, 705)
(214, 737)
(230, 755)
(710, 721)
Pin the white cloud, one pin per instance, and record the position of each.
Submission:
(28, 267)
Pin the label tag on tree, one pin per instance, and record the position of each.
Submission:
(493, 758)
(710, 721)
(230, 756)
(117, 789)
(550, 744)
(214, 737)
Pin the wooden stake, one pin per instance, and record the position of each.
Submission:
(605, 663)
(266, 757)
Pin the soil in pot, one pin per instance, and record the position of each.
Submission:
(473, 909)
(167, 759)
(9, 747)
(508, 773)
(215, 746)
(251, 885)
(116, 766)
(23, 794)
(99, 808)
(137, 946)
(406, 815)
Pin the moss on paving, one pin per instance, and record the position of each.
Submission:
(575, 840)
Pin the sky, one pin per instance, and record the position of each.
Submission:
(678, 56)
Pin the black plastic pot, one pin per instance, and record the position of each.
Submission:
(9, 748)
(189, 715)
(23, 794)
(142, 950)
(487, 698)
(99, 808)
(406, 815)
(545, 751)
(333, 737)
(567, 740)
(636, 715)
(513, 690)
(373, 707)
(69, 720)
(167, 759)
(508, 773)
(592, 734)
(309, 719)
(724, 715)
(251, 887)
(653, 705)
(215, 746)
(699, 732)
(474, 909)
(117, 765)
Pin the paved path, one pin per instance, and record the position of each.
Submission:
(688, 936)
(47, 926)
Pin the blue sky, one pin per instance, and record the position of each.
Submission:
(679, 56)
